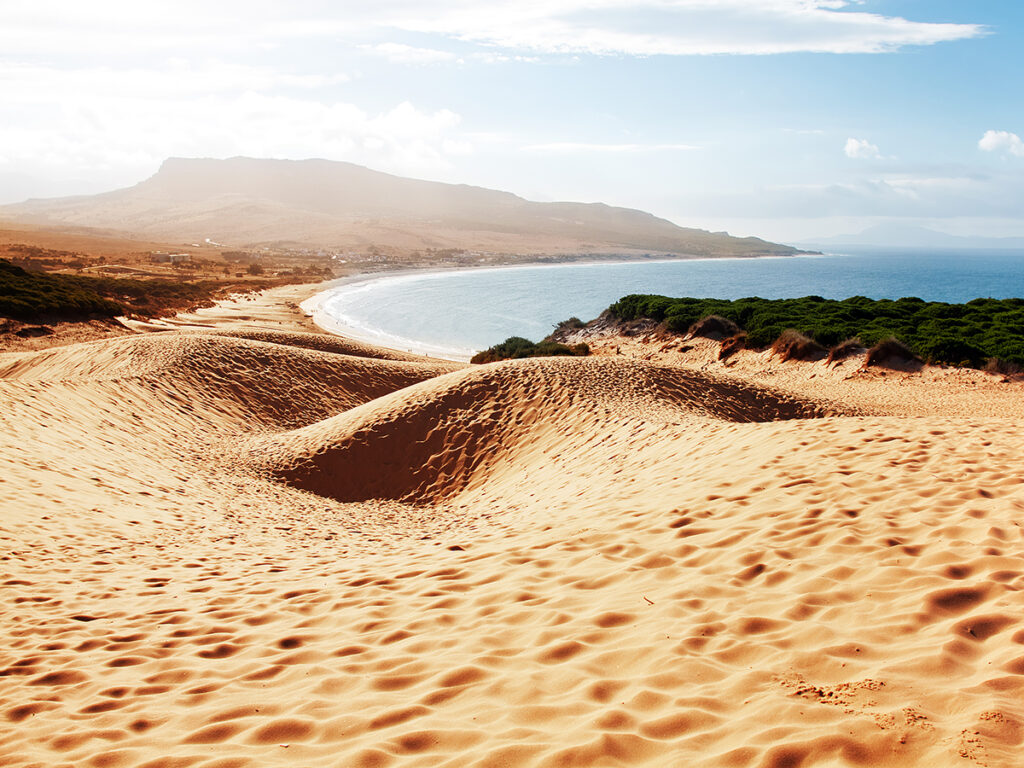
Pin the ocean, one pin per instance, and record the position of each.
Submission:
(455, 313)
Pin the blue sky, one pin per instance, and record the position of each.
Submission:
(781, 118)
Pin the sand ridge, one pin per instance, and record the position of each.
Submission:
(427, 443)
(536, 563)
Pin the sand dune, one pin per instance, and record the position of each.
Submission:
(318, 341)
(257, 381)
(227, 551)
(430, 442)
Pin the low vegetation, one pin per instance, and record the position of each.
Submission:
(793, 345)
(30, 295)
(970, 334)
(844, 349)
(714, 327)
(34, 296)
(515, 347)
(570, 325)
(889, 351)
(732, 345)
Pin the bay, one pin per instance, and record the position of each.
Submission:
(454, 313)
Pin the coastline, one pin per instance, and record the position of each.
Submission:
(313, 307)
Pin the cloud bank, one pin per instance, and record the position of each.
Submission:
(677, 27)
(102, 119)
(598, 27)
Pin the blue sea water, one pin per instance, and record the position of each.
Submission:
(455, 313)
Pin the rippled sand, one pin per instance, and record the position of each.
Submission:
(258, 548)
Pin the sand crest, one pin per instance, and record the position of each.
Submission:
(257, 548)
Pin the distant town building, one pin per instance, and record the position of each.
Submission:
(158, 257)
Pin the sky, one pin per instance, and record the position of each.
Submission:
(787, 119)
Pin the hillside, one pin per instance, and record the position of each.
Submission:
(246, 202)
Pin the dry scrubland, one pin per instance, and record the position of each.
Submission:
(241, 547)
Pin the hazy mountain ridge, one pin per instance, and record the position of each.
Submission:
(244, 201)
(895, 235)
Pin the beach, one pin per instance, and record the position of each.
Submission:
(233, 540)
(332, 322)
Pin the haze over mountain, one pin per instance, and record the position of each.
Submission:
(242, 202)
(895, 235)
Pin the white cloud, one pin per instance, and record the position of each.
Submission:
(861, 149)
(407, 54)
(673, 27)
(568, 147)
(603, 27)
(1002, 141)
(492, 57)
(101, 119)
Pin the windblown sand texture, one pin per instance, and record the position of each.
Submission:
(251, 549)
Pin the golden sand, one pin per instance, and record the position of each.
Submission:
(242, 546)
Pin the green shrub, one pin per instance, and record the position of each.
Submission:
(955, 351)
(572, 324)
(516, 347)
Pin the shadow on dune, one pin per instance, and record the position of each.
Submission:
(430, 442)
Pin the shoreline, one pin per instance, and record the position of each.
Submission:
(313, 308)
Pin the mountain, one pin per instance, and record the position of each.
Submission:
(894, 235)
(243, 202)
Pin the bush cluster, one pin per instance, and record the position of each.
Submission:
(149, 296)
(27, 295)
(955, 334)
(515, 347)
(34, 295)
(793, 345)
